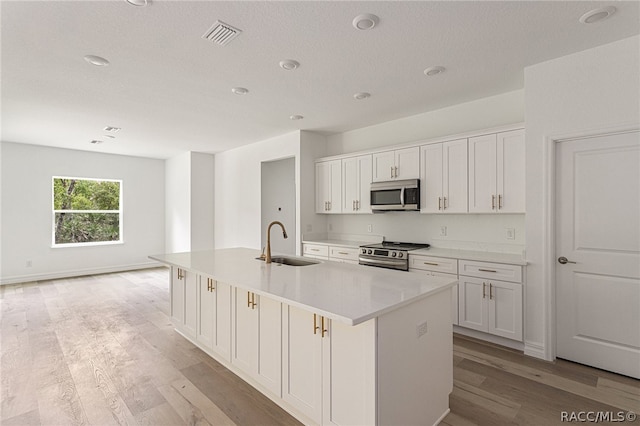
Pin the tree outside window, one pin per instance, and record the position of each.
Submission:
(86, 211)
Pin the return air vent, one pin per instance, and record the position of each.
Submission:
(221, 33)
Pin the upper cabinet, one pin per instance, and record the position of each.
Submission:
(356, 184)
(329, 186)
(496, 173)
(443, 177)
(396, 164)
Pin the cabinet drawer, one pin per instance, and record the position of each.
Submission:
(315, 250)
(348, 253)
(497, 271)
(435, 264)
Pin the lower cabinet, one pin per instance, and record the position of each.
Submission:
(438, 267)
(257, 337)
(490, 305)
(214, 316)
(184, 296)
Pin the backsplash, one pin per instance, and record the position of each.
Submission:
(481, 232)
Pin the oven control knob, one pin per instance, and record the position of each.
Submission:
(400, 254)
(394, 254)
(369, 252)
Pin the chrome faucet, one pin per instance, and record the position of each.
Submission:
(284, 234)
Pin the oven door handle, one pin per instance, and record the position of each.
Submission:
(382, 261)
(402, 196)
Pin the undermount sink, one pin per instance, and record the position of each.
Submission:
(291, 261)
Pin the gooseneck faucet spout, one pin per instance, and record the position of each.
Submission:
(284, 234)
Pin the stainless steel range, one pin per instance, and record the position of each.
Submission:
(388, 254)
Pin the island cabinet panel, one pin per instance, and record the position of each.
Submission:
(302, 361)
(214, 316)
(257, 338)
(184, 292)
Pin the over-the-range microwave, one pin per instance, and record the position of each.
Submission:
(396, 195)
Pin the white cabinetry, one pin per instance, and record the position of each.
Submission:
(184, 296)
(329, 187)
(315, 251)
(356, 184)
(444, 177)
(438, 267)
(342, 254)
(257, 338)
(396, 164)
(490, 298)
(496, 173)
(214, 316)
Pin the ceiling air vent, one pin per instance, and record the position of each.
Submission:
(221, 33)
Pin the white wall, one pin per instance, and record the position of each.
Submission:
(202, 204)
(587, 91)
(278, 202)
(469, 231)
(494, 111)
(26, 224)
(178, 203)
(237, 189)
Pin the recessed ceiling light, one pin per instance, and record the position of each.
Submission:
(138, 2)
(296, 117)
(96, 60)
(289, 64)
(96, 142)
(361, 95)
(597, 15)
(112, 129)
(431, 71)
(365, 21)
(240, 90)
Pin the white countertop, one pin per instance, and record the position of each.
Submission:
(351, 294)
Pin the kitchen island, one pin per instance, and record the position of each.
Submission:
(331, 343)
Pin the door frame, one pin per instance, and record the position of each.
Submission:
(548, 350)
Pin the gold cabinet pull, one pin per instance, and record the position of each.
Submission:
(493, 202)
(490, 291)
(487, 270)
(248, 299)
(430, 263)
(444, 203)
(392, 171)
(396, 171)
(180, 274)
(499, 201)
(343, 252)
(439, 203)
(253, 301)
(324, 330)
(484, 294)
(315, 324)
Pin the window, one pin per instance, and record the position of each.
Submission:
(86, 211)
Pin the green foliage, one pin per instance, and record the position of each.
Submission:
(80, 194)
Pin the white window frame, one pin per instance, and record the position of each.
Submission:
(92, 243)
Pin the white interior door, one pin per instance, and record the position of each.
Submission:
(598, 232)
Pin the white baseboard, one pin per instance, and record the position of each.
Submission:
(535, 350)
(498, 340)
(17, 279)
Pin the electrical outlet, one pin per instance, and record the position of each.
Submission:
(369, 228)
(510, 233)
(421, 329)
(443, 231)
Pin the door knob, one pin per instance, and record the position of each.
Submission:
(563, 260)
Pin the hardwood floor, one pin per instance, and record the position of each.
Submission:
(100, 350)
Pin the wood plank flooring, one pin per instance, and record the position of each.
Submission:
(101, 350)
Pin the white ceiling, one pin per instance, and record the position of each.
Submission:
(170, 90)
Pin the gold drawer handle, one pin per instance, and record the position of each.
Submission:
(342, 252)
(430, 263)
(487, 270)
(324, 330)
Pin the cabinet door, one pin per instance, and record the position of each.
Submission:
(177, 297)
(454, 177)
(191, 280)
(472, 295)
(222, 320)
(206, 312)
(269, 366)
(245, 332)
(408, 163)
(323, 185)
(510, 172)
(482, 174)
(431, 178)
(349, 388)
(350, 184)
(383, 166)
(302, 362)
(364, 184)
(335, 188)
(505, 309)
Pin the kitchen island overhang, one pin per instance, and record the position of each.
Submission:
(339, 343)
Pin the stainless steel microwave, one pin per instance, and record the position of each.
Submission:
(397, 195)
